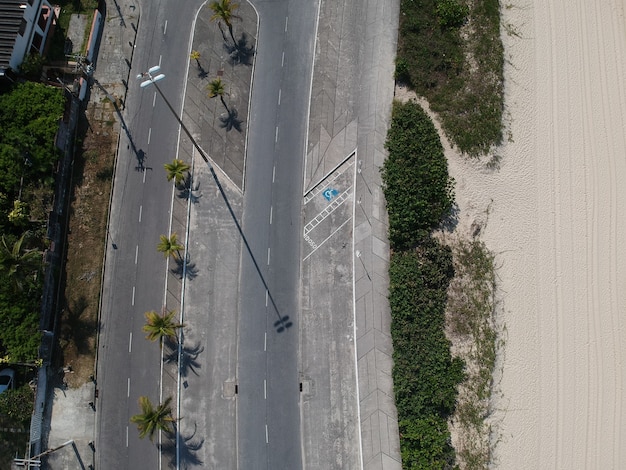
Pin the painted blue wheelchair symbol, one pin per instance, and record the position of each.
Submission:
(330, 193)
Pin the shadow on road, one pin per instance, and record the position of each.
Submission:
(241, 52)
(184, 268)
(186, 190)
(188, 449)
(231, 121)
(188, 357)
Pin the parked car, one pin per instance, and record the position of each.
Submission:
(7, 379)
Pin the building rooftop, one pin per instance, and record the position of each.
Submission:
(11, 14)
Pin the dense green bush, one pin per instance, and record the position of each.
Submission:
(425, 375)
(415, 176)
(29, 121)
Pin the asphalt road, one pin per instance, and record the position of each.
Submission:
(129, 366)
(269, 396)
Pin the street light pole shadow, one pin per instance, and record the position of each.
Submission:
(282, 322)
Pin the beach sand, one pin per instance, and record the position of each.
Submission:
(554, 213)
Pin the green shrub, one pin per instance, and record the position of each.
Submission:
(451, 13)
(425, 375)
(415, 177)
(425, 444)
(17, 404)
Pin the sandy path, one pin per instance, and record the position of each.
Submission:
(557, 220)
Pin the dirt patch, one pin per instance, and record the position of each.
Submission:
(90, 194)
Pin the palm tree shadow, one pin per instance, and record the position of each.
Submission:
(184, 268)
(241, 52)
(188, 357)
(231, 121)
(188, 449)
(202, 74)
(186, 190)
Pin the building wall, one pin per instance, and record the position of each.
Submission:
(35, 33)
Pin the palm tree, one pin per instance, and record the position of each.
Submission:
(152, 419)
(195, 55)
(170, 246)
(18, 263)
(162, 326)
(216, 88)
(223, 10)
(176, 170)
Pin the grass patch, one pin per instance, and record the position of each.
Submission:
(470, 324)
(450, 52)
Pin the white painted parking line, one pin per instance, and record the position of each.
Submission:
(329, 209)
(316, 246)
